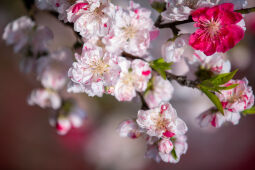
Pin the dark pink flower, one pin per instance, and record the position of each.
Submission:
(218, 29)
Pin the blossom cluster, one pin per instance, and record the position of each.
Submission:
(50, 68)
(114, 58)
(234, 102)
(163, 130)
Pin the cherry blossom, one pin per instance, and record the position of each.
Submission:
(17, 32)
(165, 146)
(52, 70)
(160, 91)
(68, 119)
(91, 18)
(131, 31)
(216, 119)
(27, 37)
(173, 50)
(161, 121)
(180, 147)
(216, 63)
(239, 98)
(129, 128)
(179, 10)
(93, 70)
(134, 77)
(59, 6)
(218, 29)
(45, 98)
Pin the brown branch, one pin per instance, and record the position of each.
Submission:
(182, 80)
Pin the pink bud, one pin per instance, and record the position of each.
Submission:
(129, 129)
(63, 125)
(165, 146)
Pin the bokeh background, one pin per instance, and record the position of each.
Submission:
(27, 142)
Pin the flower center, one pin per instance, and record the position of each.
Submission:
(129, 79)
(129, 32)
(213, 27)
(98, 67)
(160, 122)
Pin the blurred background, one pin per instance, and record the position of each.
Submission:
(27, 141)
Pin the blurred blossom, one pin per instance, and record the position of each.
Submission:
(45, 98)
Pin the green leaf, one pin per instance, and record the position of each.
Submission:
(213, 98)
(159, 6)
(249, 111)
(223, 78)
(173, 153)
(161, 66)
(228, 87)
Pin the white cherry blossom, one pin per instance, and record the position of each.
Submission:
(217, 119)
(45, 98)
(93, 70)
(129, 128)
(180, 147)
(161, 121)
(239, 98)
(131, 31)
(172, 50)
(161, 91)
(52, 70)
(179, 10)
(91, 18)
(134, 77)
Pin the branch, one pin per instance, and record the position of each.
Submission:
(182, 80)
(144, 104)
(173, 25)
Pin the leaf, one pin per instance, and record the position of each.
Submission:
(249, 111)
(173, 153)
(228, 87)
(223, 78)
(159, 6)
(213, 98)
(161, 66)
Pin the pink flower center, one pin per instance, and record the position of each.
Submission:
(213, 28)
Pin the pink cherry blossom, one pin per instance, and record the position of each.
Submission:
(134, 77)
(161, 121)
(161, 91)
(239, 98)
(218, 29)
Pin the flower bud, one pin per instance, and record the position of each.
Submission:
(128, 128)
(165, 146)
